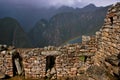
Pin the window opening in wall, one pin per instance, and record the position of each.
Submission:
(118, 17)
(50, 62)
(111, 20)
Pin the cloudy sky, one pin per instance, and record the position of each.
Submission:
(58, 3)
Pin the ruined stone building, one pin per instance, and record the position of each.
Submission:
(96, 58)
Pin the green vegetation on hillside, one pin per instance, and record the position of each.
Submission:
(66, 26)
(12, 34)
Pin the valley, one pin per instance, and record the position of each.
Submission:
(65, 24)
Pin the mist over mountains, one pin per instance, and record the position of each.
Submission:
(39, 27)
(29, 15)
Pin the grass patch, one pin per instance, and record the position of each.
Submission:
(82, 58)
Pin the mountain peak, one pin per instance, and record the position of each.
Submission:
(65, 8)
(90, 6)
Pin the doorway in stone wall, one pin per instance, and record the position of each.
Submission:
(50, 67)
(50, 62)
(17, 64)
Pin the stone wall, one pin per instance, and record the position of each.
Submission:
(71, 61)
(36, 63)
(108, 40)
(68, 60)
(33, 62)
(6, 65)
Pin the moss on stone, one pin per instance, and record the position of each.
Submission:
(82, 58)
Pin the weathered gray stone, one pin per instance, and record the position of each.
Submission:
(53, 71)
(52, 53)
(18, 66)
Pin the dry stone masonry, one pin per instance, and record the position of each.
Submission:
(55, 62)
(96, 58)
(6, 60)
(108, 39)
